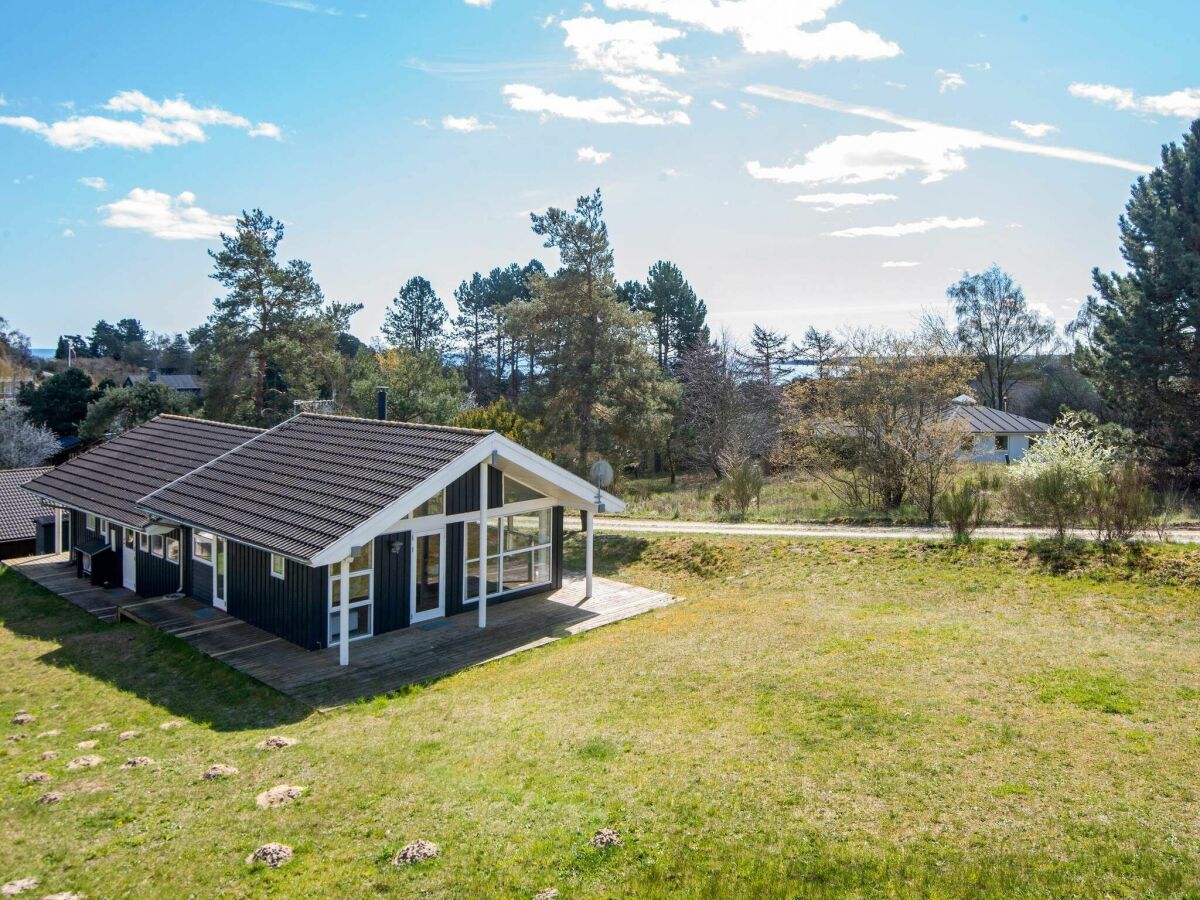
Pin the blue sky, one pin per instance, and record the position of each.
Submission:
(412, 137)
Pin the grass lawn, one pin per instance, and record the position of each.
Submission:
(791, 497)
(818, 718)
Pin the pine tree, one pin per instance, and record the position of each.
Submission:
(764, 360)
(416, 319)
(1144, 348)
(677, 313)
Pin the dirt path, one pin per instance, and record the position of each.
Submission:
(666, 526)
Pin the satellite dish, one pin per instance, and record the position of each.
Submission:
(601, 474)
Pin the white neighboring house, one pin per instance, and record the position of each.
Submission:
(997, 436)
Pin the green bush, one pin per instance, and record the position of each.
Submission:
(741, 486)
(1120, 504)
(1052, 483)
(964, 508)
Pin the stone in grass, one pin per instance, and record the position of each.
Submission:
(24, 718)
(128, 735)
(48, 755)
(53, 732)
(96, 729)
(276, 742)
(87, 745)
(38, 777)
(137, 762)
(219, 770)
(417, 851)
(84, 762)
(50, 797)
(18, 886)
(546, 894)
(273, 855)
(64, 895)
(606, 837)
(173, 723)
(280, 795)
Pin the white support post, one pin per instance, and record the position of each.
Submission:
(483, 548)
(58, 530)
(589, 528)
(344, 615)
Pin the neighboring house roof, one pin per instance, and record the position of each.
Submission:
(18, 507)
(175, 382)
(985, 420)
(109, 479)
(299, 487)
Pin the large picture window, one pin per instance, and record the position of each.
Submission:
(358, 588)
(518, 553)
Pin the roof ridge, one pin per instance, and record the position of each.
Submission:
(177, 416)
(456, 428)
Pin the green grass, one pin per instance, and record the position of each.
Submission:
(819, 718)
(791, 497)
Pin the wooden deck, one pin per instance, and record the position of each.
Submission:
(378, 665)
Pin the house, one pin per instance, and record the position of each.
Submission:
(996, 435)
(323, 526)
(26, 526)
(185, 384)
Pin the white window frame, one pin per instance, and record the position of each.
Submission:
(157, 546)
(502, 554)
(204, 537)
(506, 477)
(417, 514)
(168, 541)
(335, 574)
(282, 573)
(90, 522)
(143, 542)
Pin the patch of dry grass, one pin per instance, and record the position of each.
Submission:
(819, 718)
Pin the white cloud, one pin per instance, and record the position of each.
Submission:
(305, 6)
(165, 217)
(749, 109)
(592, 155)
(980, 67)
(773, 26)
(1033, 130)
(933, 150)
(68, 233)
(163, 123)
(600, 110)
(647, 86)
(900, 229)
(95, 183)
(465, 124)
(829, 202)
(671, 173)
(267, 130)
(717, 104)
(898, 264)
(621, 47)
(949, 81)
(478, 2)
(1183, 104)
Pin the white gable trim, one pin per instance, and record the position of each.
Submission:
(555, 481)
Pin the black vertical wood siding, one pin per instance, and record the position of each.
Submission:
(456, 550)
(156, 575)
(392, 581)
(293, 607)
(201, 580)
(462, 495)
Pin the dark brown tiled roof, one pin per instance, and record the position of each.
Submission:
(109, 479)
(18, 507)
(985, 420)
(307, 482)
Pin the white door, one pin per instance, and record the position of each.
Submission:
(220, 555)
(427, 594)
(129, 560)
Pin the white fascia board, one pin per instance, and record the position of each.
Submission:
(567, 482)
(393, 512)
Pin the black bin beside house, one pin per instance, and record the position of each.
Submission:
(326, 525)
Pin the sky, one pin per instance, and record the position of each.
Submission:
(804, 162)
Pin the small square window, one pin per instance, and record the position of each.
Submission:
(278, 566)
(156, 544)
(143, 542)
(1002, 442)
(171, 548)
(90, 522)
